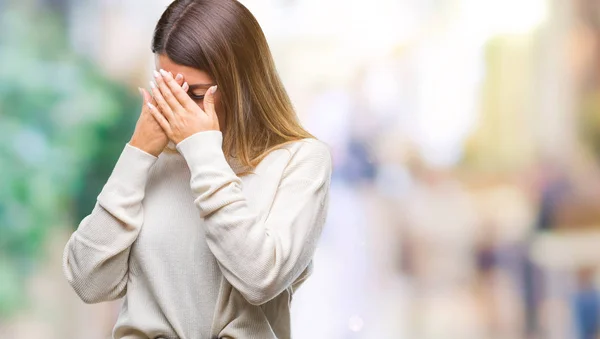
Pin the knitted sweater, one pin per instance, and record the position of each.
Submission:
(196, 250)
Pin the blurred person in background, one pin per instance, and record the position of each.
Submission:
(586, 304)
(211, 216)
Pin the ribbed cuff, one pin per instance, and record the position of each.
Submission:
(130, 173)
(202, 148)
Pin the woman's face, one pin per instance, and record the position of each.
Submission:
(198, 81)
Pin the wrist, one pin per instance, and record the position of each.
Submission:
(136, 144)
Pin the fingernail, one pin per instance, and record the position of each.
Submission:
(185, 86)
(140, 90)
(179, 77)
(150, 105)
(152, 84)
(156, 74)
(213, 89)
(163, 72)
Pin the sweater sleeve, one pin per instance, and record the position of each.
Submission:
(95, 259)
(259, 255)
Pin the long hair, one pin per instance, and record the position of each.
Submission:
(223, 39)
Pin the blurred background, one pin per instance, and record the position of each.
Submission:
(465, 201)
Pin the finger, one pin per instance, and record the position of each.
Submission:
(161, 104)
(146, 97)
(209, 101)
(179, 79)
(160, 119)
(178, 92)
(142, 94)
(165, 81)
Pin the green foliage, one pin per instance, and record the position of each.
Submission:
(62, 126)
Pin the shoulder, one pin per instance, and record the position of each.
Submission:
(308, 148)
(309, 156)
(304, 155)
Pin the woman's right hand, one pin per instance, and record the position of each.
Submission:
(148, 136)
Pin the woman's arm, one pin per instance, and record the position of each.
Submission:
(95, 259)
(259, 255)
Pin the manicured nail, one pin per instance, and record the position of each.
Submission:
(156, 74)
(150, 105)
(179, 77)
(152, 84)
(213, 89)
(163, 72)
(185, 86)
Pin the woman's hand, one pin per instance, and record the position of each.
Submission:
(178, 115)
(148, 135)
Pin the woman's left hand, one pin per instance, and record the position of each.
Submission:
(177, 114)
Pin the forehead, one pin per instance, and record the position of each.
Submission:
(191, 75)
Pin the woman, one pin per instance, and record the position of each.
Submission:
(210, 218)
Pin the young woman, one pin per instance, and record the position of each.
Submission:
(210, 218)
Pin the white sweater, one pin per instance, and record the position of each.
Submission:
(197, 251)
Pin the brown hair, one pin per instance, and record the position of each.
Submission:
(223, 39)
